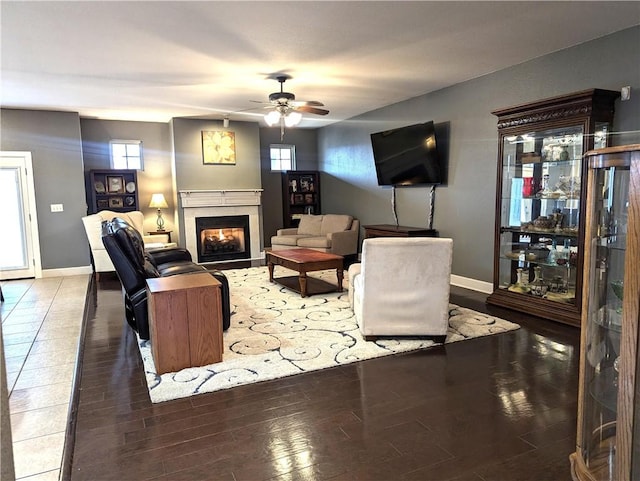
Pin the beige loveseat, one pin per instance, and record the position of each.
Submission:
(93, 227)
(335, 233)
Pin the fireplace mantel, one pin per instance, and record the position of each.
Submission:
(213, 198)
(230, 202)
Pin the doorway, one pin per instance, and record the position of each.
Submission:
(19, 244)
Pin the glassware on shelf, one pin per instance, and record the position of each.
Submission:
(617, 287)
(557, 284)
(545, 191)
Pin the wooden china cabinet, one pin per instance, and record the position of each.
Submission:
(608, 439)
(115, 190)
(300, 195)
(540, 202)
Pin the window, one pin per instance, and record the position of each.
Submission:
(283, 157)
(126, 154)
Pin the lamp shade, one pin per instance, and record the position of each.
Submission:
(158, 201)
(272, 118)
(292, 119)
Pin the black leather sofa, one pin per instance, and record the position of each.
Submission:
(134, 265)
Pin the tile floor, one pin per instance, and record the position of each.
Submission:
(41, 323)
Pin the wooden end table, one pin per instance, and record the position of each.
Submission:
(303, 261)
(185, 321)
(160, 232)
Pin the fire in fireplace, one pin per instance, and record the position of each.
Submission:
(222, 238)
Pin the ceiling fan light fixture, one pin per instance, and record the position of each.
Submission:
(292, 119)
(272, 118)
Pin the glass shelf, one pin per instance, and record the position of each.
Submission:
(520, 230)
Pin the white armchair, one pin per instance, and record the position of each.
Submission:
(401, 287)
(93, 227)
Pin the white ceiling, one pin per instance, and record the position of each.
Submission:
(154, 60)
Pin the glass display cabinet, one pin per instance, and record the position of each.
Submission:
(608, 439)
(540, 201)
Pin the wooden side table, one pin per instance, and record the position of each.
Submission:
(185, 321)
(160, 232)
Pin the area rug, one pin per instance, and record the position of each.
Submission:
(275, 333)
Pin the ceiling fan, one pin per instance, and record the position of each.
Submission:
(286, 110)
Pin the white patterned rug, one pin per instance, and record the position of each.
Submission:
(275, 333)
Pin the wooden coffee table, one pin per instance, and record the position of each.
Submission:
(303, 261)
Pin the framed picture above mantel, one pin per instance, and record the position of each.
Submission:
(218, 147)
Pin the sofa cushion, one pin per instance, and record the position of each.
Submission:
(310, 224)
(335, 223)
(287, 240)
(315, 242)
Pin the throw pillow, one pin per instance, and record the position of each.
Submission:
(310, 225)
(335, 223)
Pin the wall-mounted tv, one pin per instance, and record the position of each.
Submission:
(407, 156)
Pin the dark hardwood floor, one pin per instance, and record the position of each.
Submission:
(501, 407)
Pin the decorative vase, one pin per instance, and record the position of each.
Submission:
(528, 186)
(539, 286)
(521, 284)
(564, 154)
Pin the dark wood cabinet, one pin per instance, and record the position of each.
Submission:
(300, 195)
(540, 201)
(115, 190)
(388, 230)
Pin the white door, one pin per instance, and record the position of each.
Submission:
(19, 244)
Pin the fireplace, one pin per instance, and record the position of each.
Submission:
(223, 238)
(226, 205)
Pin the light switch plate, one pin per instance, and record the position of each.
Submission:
(625, 93)
(57, 208)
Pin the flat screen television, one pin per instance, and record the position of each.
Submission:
(407, 156)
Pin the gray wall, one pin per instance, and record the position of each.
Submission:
(464, 208)
(156, 152)
(306, 142)
(192, 174)
(53, 138)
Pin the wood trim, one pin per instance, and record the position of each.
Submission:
(551, 310)
(72, 413)
(627, 407)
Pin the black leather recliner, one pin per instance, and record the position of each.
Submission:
(134, 265)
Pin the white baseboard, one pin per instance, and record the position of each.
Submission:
(459, 281)
(67, 271)
(473, 284)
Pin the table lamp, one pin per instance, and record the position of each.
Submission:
(159, 202)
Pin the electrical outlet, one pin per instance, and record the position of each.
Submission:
(57, 208)
(625, 93)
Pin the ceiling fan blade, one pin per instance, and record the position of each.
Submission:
(312, 110)
(310, 103)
